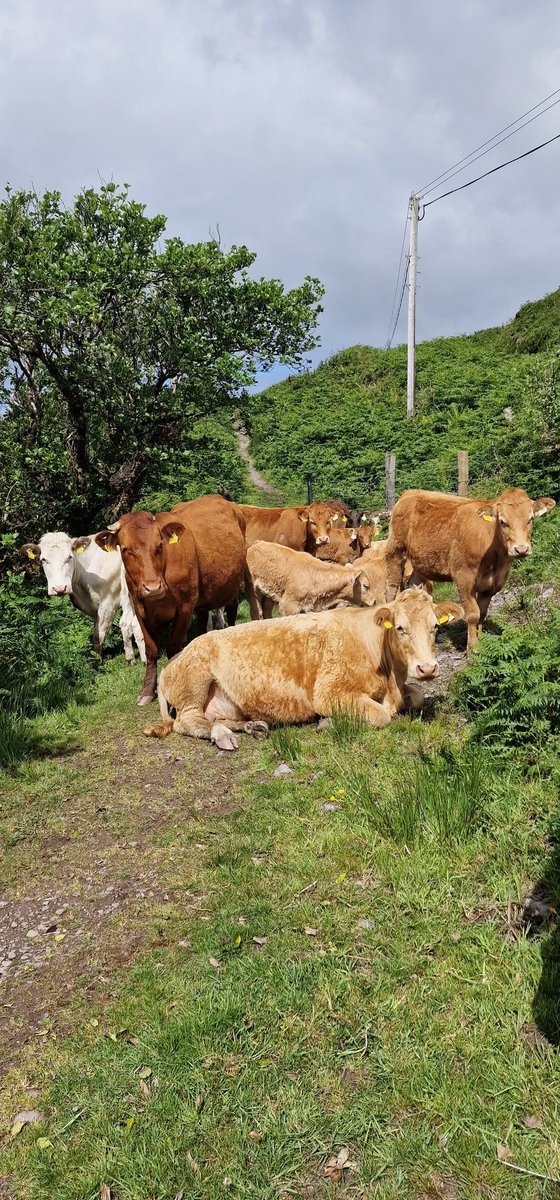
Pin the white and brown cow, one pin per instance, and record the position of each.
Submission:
(95, 582)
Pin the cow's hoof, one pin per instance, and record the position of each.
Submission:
(257, 729)
(145, 699)
(223, 738)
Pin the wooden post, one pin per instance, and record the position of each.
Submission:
(463, 473)
(412, 262)
(309, 480)
(390, 470)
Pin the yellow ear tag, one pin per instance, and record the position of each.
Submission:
(487, 517)
(174, 538)
(388, 624)
(442, 620)
(303, 516)
(109, 549)
(80, 549)
(344, 520)
(30, 554)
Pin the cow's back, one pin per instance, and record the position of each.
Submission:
(440, 533)
(280, 525)
(217, 527)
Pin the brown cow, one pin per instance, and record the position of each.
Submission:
(342, 547)
(471, 542)
(304, 527)
(299, 582)
(175, 562)
(295, 668)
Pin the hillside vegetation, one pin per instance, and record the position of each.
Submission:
(495, 393)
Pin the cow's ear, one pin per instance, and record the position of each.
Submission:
(107, 540)
(542, 506)
(384, 617)
(31, 549)
(447, 610)
(80, 544)
(304, 517)
(335, 516)
(353, 537)
(487, 512)
(173, 531)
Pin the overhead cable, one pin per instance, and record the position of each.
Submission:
(461, 186)
(491, 143)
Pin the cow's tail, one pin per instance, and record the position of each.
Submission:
(166, 727)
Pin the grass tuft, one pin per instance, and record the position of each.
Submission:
(287, 744)
(348, 726)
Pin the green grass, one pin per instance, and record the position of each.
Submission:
(381, 1013)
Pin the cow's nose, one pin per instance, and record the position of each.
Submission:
(320, 541)
(152, 589)
(427, 670)
(61, 590)
(522, 550)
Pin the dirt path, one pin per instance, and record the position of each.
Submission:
(255, 476)
(98, 845)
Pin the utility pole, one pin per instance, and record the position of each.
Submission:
(413, 256)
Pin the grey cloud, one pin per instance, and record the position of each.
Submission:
(301, 129)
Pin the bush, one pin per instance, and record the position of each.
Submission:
(510, 690)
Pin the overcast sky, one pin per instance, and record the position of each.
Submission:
(301, 127)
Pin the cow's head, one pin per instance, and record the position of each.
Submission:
(55, 551)
(320, 519)
(142, 539)
(411, 622)
(513, 513)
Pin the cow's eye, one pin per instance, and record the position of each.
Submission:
(400, 629)
(503, 522)
(69, 559)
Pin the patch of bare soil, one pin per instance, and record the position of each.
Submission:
(116, 880)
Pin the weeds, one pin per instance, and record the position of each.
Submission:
(439, 798)
(348, 725)
(287, 744)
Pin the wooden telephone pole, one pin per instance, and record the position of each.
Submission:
(413, 258)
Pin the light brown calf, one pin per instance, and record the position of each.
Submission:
(471, 542)
(342, 547)
(300, 583)
(295, 668)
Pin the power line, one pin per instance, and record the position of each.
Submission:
(461, 186)
(405, 281)
(388, 343)
(444, 174)
(451, 174)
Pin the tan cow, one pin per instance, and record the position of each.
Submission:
(300, 583)
(295, 668)
(471, 542)
(304, 527)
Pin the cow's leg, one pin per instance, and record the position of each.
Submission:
(180, 629)
(231, 612)
(483, 599)
(126, 633)
(395, 558)
(414, 696)
(251, 595)
(148, 692)
(267, 605)
(467, 594)
(105, 614)
(357, 702)
(219, 623)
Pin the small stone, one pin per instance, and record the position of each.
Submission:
(365, 923)
(282, 769)
(330, 807)
(32, 933)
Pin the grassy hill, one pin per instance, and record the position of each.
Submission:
(495, 393)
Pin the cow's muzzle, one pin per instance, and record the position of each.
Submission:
(63, 590)
(520, 551)
(427, 670)
(321, 541)
(153, 590)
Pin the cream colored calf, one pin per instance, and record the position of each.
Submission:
(300, 583)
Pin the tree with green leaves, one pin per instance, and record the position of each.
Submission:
(114, 344)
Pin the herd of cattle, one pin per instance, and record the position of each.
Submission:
(324, 568)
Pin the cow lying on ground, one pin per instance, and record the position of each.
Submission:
(295, 668)
(300, 583)
(471, 542)
(304, 527)
(193, 558)
(76, 567)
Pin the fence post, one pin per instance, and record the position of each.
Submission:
(390, 470)
(463, 473)
(309, 479)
